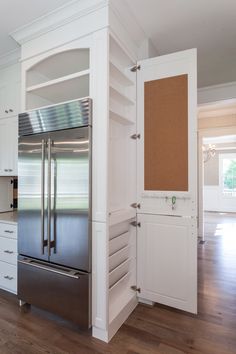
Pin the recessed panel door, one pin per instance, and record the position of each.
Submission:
(167, 179)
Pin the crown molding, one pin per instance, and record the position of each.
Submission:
(10, 58)
(57, 18)
(217, 93)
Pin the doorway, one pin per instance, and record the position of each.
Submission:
(217, 157)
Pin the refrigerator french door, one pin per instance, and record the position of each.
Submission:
(54, 191)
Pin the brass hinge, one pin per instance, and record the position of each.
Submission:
(135, 224)
(134, 287)
(135, 68)
(135, 136)
(136, 205)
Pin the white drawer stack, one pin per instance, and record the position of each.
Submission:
(8, 257)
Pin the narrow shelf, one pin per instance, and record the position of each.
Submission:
(64, 89)
(120, 294)
(118, 73)
(117, 94)
(120, 118)
(121, 215)
(57, 81)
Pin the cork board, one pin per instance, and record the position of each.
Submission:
(166, 134)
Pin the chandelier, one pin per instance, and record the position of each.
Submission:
(208, 152)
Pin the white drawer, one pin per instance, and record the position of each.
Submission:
(8, 230)
(8, 277)
(8, 250)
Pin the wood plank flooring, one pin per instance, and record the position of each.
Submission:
(158, 330)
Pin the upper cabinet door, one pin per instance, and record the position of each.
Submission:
(167, 124)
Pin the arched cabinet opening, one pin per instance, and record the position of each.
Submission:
(58, 78)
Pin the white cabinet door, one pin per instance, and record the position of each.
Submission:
(167, 179)
(3, 99)
(10, 91)
(167, 260)
(13, 98)
(8, 146)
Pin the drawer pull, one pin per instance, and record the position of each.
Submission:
(9, 252)
(8, 231)
(8, 277)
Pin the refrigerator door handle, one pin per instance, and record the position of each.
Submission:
(68, 273)
(49, 196)
(43, 241)
(53, 244)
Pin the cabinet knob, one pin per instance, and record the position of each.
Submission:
(6, 169)
(6, 111)
(10, 170)
(10, 110)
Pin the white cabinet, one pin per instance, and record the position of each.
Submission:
(10, 91)
(8, 146)
(8, 257)
(9, 109)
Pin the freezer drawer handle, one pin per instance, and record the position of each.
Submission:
(71, 274)
(8, 277)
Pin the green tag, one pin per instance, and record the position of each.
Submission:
(173, 200)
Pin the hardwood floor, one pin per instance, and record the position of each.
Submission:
(158, 330)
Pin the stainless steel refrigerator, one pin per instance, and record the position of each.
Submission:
(54, 203)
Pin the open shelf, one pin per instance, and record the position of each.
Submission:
(119, 74)
(120, 294)
(119, 95)
(37, 87)
(121, 215)
(59, 90)
(120, 117)
(54, 67)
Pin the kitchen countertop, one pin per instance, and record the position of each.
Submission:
(9, 217)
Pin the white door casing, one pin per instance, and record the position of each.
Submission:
(167, 236)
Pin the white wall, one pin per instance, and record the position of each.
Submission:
(214, 200)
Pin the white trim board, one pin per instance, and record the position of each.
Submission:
(216, 93)
(57, 18)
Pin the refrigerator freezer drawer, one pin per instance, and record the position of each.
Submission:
(55, 289)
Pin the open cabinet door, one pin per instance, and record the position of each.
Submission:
(167, 180)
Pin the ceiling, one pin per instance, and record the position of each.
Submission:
(16, 13)
(172, 25)
(208, 25)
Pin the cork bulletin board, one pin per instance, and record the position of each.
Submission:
(166, 134)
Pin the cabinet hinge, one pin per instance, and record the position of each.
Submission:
(135, 68)
(135, 224)
(135, 136)
(135, 288)
(136, 205)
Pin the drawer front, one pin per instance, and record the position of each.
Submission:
(8, 277)
(8, 250)
(52, 289)
(8, 230)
